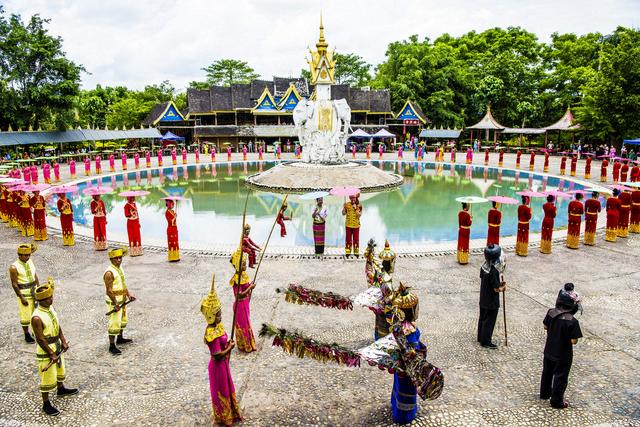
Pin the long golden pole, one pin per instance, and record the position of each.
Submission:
(239, 272)
(264, 249)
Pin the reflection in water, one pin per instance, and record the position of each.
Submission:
(422, 210)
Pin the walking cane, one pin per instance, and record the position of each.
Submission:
(504, 314)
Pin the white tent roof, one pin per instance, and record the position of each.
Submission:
(360, 134)
(383, 133)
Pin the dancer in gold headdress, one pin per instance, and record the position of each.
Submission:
(242, 287)
(118, 296)
(23, 280)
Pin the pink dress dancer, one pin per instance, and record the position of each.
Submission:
(197, 155)
(469, 156)
(159, 157)
(72, 168)
(244, 153)
(87, 166)
(184, 156)
(112, 163)
(400, 152)
(213, 153)
(229, 153)
(124, 161)
(98, 165)
(34, 174)
(46, 173)
(453, 154)
(26, 173)
(56, 171)
(260, 153)
(147, 158)
(174, 156)
(136, 160)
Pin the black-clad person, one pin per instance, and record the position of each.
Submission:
(563, 331)
(491, 285)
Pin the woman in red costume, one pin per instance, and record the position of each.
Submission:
(494, 218)
(281, 218)
(39, 217)
(613, 214)
(133, 227)
(591, 209)
(172, 232)
(524, 216)
(587, 168)
(576, 209)
(249, 246)
(549, 209)
(603, 170)
(464, 231)
(99, 223)
(625, 210)
(66, 220)
(634, 222)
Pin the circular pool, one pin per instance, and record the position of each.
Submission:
(422, 211)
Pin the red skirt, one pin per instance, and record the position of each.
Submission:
(493, 235)
(172, 242)
(100, 233)
(40, 224)
(66, 224)
(135, 242)
(573, 233)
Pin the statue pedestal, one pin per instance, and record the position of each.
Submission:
(301, 177)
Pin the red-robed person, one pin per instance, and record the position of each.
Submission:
(603, 170)
(624, 171)
(4, 212)
(99, 223)
(501, 158)
(545, 167)
(26, 214)
(172, 232)
(464, 231)
(616, 170)
(625, 210)
(281, 218)
(486, 157)
(39, 217)
(133, 227)
(532, 160)
(563, 164)
(574, 165)
(524, 216)
(518, 155)
(634, 175)
(613, 214)
(494, 219)
(66, 220)
(546, 234)
(592, 208)
(587, 167)
(634, 221)
(249, 246)
(575, 210)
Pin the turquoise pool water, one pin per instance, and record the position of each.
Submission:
(423, 210)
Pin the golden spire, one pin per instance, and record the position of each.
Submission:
(321, 63)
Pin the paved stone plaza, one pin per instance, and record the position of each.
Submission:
(161, 379)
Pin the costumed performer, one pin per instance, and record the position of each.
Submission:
(24, 280)
(319, 217)
(50, 348)
(242, 289)
(465, 219)
(225, 408)
(281, 218)
(133, 227)
(613, 215)
(624, 211)
(546, 234)
(38, 204)
(524, 217)
(172, 232)
(634, 221)
(592, 208)
(117, 298)
(66, 220)
(352, 210)
(249, 246)
(494, 219)
(99, 223)
(575, 211)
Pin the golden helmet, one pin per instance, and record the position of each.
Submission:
(388, 257)
(238, 257)
(44, 291)
(27, 248)
(210, 305)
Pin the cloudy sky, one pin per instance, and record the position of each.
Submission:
(139, 42)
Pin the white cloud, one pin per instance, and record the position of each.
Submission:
(139, 42)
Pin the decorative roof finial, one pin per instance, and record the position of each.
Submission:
(322, 44)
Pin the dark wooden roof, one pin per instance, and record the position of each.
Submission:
(241, 96)
(155, 113)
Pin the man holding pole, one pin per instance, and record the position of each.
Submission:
(491, 284)
(51, 344)
(118, 297)
(23, 281)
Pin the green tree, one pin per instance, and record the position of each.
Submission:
(352, 70)
(39, 84)
(226, 72)
(199, 85)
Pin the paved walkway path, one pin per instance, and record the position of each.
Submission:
(161, 379)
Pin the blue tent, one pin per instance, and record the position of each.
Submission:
(169, 136)
(632, 141)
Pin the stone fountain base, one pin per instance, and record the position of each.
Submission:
(300, 177)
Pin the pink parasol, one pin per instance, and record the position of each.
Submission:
(531, 193)
(5, 180)
(36, 187)
(97, 191)
(134, 193)
(15, 182)
(63, 189)
(558, 193)
(504, 200)
(174, 198)
(344, 191)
